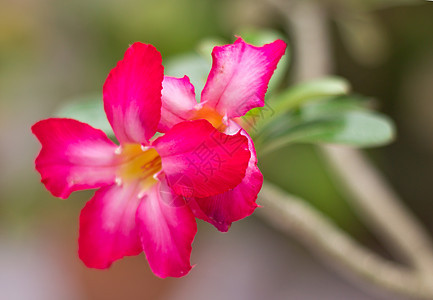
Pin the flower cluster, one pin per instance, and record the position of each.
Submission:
(151, 189)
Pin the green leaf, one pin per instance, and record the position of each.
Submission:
(88, 109)
(354, 128)
(334, 105)
(301, 93)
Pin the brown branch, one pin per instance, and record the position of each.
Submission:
(381, 208)
(369, 193)
(297, 218)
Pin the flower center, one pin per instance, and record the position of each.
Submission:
(139, 163)
(212, 116)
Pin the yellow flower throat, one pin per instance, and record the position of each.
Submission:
(212, 116)
(139, 163)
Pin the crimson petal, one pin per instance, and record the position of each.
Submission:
(107, 226)
(178, 101)
(223, 209)
(132, 94)
(200, 161)
(167, 229)
(74, 156)
(240, 76)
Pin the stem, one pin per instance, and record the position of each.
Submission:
(381, 208)
(296, 217)
(370, 194)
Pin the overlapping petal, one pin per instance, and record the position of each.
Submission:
(223, 209)
(200, 161)
(132, 94)
(108, 230)
(167, 229)
(74, 156)
(240, 75)
(178, 101)
(216, 171)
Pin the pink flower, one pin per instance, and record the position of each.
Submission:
(143, 182)
(237, 83)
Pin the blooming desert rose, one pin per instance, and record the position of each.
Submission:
(150, 189)
(140, 204)
(237, 82)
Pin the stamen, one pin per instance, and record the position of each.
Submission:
(139, 163)
(212, 116)
(156, 175)
(141, 194)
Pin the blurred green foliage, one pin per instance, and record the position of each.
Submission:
(320, 111)
(53, 51)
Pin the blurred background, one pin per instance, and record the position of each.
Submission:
(53, 51)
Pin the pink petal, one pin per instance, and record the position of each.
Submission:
(223, 209)
(200, 161)
(167, 229)
(107, 226)
(240, 75)
(132, 94)
(178, 101)
(74, 156)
